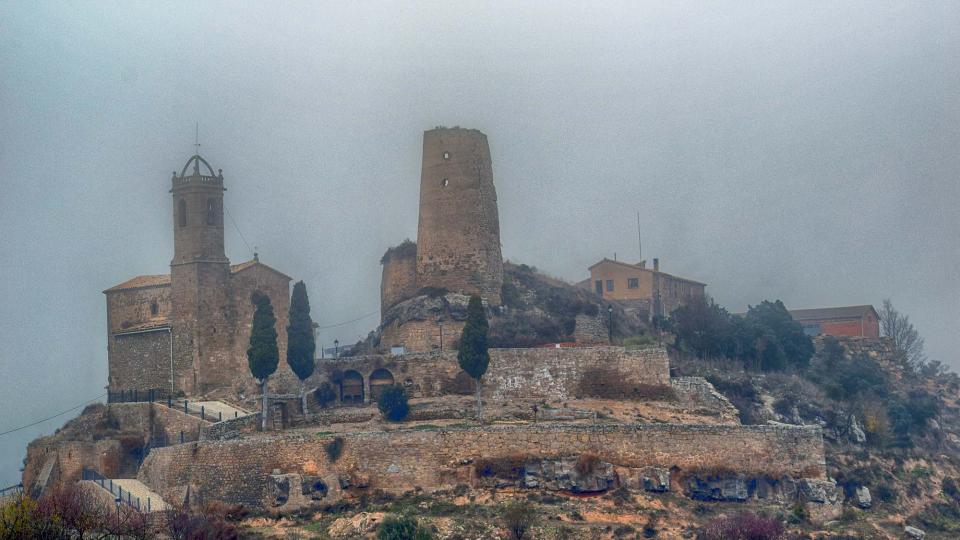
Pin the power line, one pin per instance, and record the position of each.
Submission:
(360, 318)
(54, 416)
(237, 228)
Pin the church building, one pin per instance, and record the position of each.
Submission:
(187, 332)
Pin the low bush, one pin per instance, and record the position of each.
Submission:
(519, 517)
(744, 526)
(402, 528)
(334, 449)
(637, 342)
(393, 403)
(609, 384)
(324, 394)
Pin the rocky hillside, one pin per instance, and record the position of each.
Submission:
(537, 309)
(891, 432)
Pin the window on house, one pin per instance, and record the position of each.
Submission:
(609, 285)
(154, 308)
(446, 155)
(211, 212)
(598, 286)
(633, 283)
(182, 213)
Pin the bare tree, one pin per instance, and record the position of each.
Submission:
(906, 339)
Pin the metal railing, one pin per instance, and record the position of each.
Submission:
(120, 496)
(11, 491)
(138, 396)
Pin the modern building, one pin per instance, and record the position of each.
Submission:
(647, 291)
(852, 321)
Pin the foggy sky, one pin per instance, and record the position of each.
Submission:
(806, 152)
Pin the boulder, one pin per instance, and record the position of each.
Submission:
(863, 497)
(914, 533)
(720, 488)
(656, 479)
(856, 432)
(568, 474)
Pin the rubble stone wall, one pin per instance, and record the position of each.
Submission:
(237, 471)
(538, 374)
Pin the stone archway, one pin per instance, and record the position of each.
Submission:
(351, 388)
(379, 380)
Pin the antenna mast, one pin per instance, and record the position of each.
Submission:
(639, 239)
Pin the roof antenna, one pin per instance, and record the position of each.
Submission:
(639, 238)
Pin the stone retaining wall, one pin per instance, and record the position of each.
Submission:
(237, 471)
(537, 374)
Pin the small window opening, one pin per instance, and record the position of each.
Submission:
(633, 283)
(445, 182)
(154, 308)
(446, 155)
(182, 212)
(211, 212)
(609, 284)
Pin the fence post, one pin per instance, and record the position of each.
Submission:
(185, 411)
(111, 485)
(220, 416)
(148, 505)
(181, 437)
(170, 401)
(202, 417)
(235, 413)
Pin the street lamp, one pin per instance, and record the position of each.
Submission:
(117, 502)
(610, 324)
(336, 348)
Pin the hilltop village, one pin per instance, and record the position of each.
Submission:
(592, 415)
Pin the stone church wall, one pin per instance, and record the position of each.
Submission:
(237, 471)
(140, 361)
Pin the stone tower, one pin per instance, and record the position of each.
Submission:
(458, 236)
(199, 277)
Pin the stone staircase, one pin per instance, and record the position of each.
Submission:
(129, 491)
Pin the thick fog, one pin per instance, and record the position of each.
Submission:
(803, 151)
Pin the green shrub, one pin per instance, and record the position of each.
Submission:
(638, 342)
(334, 448)
(324, 394)
(393, 403)
(519, 517)
(402, 528)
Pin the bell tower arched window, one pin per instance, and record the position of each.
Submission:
(182, 213)
(211, 212)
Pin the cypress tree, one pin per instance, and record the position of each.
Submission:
(472, 353)
(301, 346)
(263, 357)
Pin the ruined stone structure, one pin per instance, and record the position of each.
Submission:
(458, 238)
(186, 332)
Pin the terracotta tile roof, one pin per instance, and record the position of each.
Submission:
(255, 262)
(160, 280)
(138, 282)
(843, 312)
(642, 269)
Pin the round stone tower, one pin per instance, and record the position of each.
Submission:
(399, 279)
(458, 237)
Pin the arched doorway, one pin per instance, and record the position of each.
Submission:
(351, 387)
(379, 379)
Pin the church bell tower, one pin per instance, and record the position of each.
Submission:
(199, 276)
